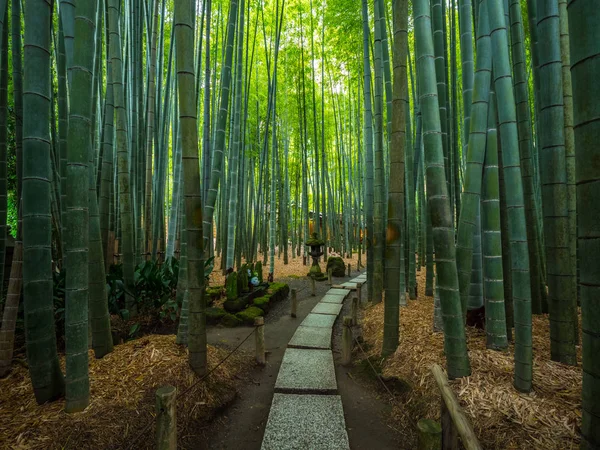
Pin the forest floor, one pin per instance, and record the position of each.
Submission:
(547, 418)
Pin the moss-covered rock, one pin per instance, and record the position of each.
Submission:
(262, 303)
(231, 286)
(214, 315)
(278, 291)
(337, 266)
(249, 314)
(230, 321)
(235, 305)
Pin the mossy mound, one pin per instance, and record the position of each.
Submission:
(214, 315)
(230, 321)
(337, 266)
(249, 314)
(236, 305)
(278, 291)
(262, 303)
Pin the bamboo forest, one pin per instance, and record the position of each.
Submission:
(299, 224)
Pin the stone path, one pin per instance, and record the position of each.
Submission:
(306, 412)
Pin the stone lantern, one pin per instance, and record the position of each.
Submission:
(316, 251)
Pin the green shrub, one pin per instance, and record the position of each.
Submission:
(337, 266)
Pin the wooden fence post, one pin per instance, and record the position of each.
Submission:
(454, 421)
(329, 276)
(359, 291)
(166, 418)
(294, 303)
(354, 311)
(259, 339)
(349, 269)
(313, 291)
(347, 341)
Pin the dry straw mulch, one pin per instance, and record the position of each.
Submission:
(123, 386)
(546, 418)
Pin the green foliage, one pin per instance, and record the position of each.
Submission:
(155, 288)
(12, 215)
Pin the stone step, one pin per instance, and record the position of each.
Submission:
(338, 291)
(319, 320)
(333, 298)
(311, 337)
(298, 422)
(327, 308)
(305, 371)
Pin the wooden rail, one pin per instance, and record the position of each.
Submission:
(454, 422)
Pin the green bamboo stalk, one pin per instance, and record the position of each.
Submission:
(378, 246)
(395, 225)
(495, 318)
(521, 87)
(368, 138)
(467, 226)
(584, 29)
(42, 357)
(569, 150)
(184, 36)
(561, 275)
(455, 343)
(124, 193)
(521, 286)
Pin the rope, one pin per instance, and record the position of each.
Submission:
(190, 388)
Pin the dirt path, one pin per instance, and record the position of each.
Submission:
(241, 426)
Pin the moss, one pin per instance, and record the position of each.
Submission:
(337, 266)
(295, 277)
(230, 321)
(214, 315)
(262, 303)
(314, 240)
(249, 314)
(235, 305)
(231, 286)
(279, 291)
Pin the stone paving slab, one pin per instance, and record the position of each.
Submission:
(298, 422)
(327, 308)
(330, 298)
(349, 285)
(311, 337)
(306, 371)
(319, 320)
(339, 292)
